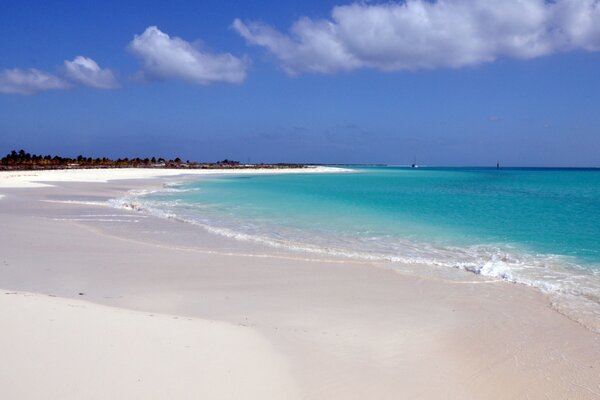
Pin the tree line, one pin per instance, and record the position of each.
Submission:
(24, 160)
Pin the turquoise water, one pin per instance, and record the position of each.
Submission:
(546, 211)
(535, 226)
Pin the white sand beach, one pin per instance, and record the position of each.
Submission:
(55, 348)
(43, 178)
(93, 306)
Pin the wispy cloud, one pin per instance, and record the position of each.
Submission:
(165, 57)
(29, 81)
(80, 71)
(420, 34)
(86, 71)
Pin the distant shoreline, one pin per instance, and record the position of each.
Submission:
(178, 166)
(24, 161)
(21, 178)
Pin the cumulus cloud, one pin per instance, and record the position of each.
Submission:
(29, 81)
(423, 34)
(164, 57)
(86, 71)
(81, 70)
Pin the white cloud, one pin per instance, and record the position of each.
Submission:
(86, 71)
(420, 34)
(29, 81)
(166, 57)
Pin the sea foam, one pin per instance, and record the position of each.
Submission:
(571, 285)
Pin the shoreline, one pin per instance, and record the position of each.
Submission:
(576, 305)
(371, 331)
(45, 178)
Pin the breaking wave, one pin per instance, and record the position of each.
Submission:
(574, 290)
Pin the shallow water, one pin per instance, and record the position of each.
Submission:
(539, 227)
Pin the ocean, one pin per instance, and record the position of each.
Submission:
(538, 227)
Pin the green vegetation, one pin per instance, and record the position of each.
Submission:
(21, 160)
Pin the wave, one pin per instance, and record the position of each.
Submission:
(575, 290)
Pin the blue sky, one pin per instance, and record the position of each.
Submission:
(463, 82)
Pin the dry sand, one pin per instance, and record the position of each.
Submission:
(44, 178)
(55, 348)
(326, 329)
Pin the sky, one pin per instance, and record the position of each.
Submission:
(448, 82)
